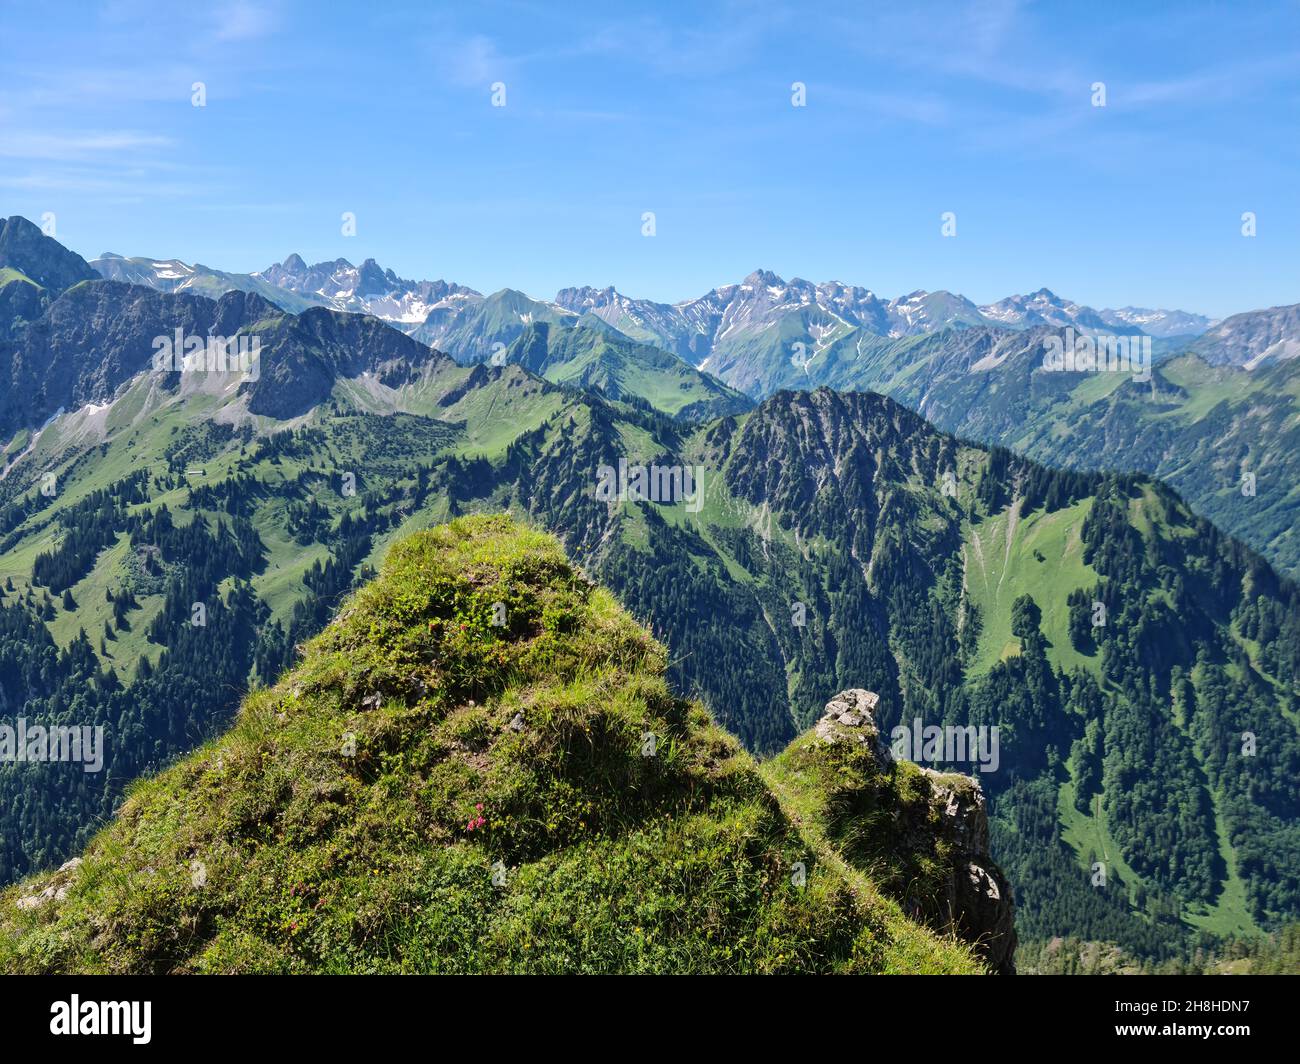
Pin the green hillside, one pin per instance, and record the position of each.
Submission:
(830, 541)
(429, 791)
(595, 358)
(1196, 426)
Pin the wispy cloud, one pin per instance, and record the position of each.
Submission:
(1226, 82)
(470, 62)
(64, 147)
(243, 21)
(134, 182)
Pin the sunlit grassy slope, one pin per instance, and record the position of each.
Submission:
(429, 791)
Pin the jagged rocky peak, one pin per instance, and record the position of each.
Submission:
(764, 277)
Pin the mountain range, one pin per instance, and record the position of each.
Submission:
(1221, 410)
(818, 539)
(691, 328)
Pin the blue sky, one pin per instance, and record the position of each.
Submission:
(983, 109)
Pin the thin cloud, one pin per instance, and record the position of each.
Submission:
(63, 147)
(470, 62)
(243, 22)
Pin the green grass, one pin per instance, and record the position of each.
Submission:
(880, 830)
(8, 275)
(996, 575)
(1230, 913)
(496, 812)
(1087, 834)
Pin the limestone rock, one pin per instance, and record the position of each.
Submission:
(851, 717)
(975, 898)
(56, 890)
(979, 897)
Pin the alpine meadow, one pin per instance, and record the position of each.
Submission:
(680, 617)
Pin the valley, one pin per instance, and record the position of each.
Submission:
(956, 579)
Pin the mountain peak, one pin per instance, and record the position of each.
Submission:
(25, 248)
(764, 277)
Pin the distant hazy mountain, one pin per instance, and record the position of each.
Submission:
(1162, 324)
(750, 333)
(1044, 307)
(661, 324)
(1249, 339)
(697, 328)
(476, 328)
(173, 275)
(367, 289)
(743, 333)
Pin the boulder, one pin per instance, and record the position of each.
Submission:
(850, 717)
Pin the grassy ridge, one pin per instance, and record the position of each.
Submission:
(429, 791)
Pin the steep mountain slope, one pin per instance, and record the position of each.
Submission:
(21, 300)
(661, 324)
(98, 336)
(597, 358)
(476, 331)
(34, 269)
(24, 248)
(430, 791)
(1249, 339)
(1200, 427)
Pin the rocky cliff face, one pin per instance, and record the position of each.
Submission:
(96, 337)
(23, 247)
(1252, 338)
(929, 829)
(304, 356)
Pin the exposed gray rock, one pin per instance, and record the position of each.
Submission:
(979, 897)
(976, 900)
(851, 717)
(56, 890)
